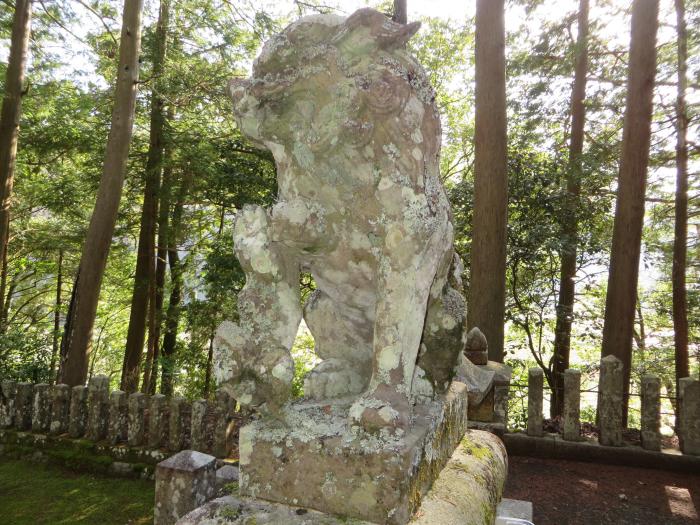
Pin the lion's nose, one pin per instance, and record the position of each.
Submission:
(236, 90)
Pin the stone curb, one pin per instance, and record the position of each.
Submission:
(553, 447)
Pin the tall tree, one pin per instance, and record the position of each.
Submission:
(9, 121)
(569, 234)
(57, 315)
(144, 278)
(77, 337)
(486, 305)
(621, 296)
(400, 12)
(172, 317)
(680, 237)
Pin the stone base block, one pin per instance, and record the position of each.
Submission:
(466, 492)
(313, 458)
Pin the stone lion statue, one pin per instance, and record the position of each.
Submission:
(352, 123)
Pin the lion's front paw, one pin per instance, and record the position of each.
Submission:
(381, 410)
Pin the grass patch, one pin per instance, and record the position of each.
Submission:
(33, 493)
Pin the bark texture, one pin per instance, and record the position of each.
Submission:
(680, 237)
(629, 212)
(9, 122)
(400, 12)
(143, 297)
(77, 338)
(486, 306)
(567, 282)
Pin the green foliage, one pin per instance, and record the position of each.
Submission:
(304, 361)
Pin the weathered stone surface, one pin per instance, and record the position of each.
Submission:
(465, 493)
(493, 408)
(477, 349)
(98, 408)
(95, 457)
(359, 119)
(535, 384)
(226, 476)
(223, 426)
(479, 380)
(571, 415)
(314, 457)
(610, 401)
(78, 417)
(118, 417)
(157, 421)
(183, 482)
(60, 409)
(137, 422)
(689, 394)
(651, 412)
(41, 409)
(23, 406)
(178, 423)
(8, 393)
(199, 432)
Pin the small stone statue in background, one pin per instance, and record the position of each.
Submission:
(352, 123)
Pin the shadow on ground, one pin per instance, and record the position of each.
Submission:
(32, 493)
(574, 493)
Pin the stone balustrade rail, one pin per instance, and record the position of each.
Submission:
(117, 418)
(610, 402)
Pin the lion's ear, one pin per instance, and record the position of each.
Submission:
(367, 28)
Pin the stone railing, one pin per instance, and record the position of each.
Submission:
(610, 403)
(115, 420)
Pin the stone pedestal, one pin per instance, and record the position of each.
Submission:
(314, 458)
(466, 492)
(183, 482)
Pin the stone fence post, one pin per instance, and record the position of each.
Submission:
(78, 411)
(178, 423)
(8, 394)
(651, 412)
(157, 421)
(689, 428)
(98, 408)
(137, 409)
(183, 482)
(23, 406)
(41, 410)
(199, 424)
(610, 401)
(222, 424)
(118, 417)
(571, 421)
(535, 385)
(60, 409)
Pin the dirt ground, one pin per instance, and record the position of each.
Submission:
(575, 493)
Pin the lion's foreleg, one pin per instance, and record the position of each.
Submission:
(253, 355)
